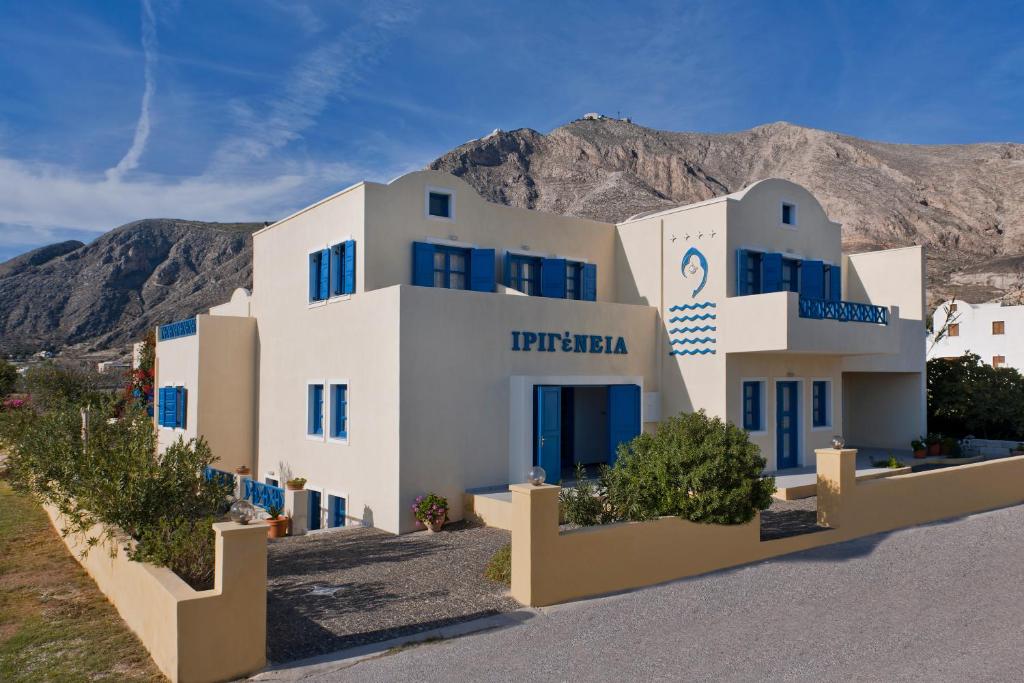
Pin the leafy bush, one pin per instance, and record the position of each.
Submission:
(966, 396)
(53, 386)
(8, 378)
(583, 504)
(892, 463)
(500, 566)
(114, 475)
(695, 467)
(185, 546)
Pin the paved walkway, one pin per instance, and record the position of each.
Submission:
(941, 602)
(338, 589)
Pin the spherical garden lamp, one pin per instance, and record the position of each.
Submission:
(536, 475)
(838, 442)
(242, 511)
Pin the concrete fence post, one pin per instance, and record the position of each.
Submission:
(534, 536)
(240, 485)
(296, 507)
(837, 476)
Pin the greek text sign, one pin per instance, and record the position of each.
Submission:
(567, 342)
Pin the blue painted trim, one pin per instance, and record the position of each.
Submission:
(691, 252)
(843, 311)
(705, 340)
(691, 352)
(702, 328)
(263, 495)
(690, 318)
(690, 307)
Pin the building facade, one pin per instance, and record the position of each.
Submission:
(993, 331)
(413, 337)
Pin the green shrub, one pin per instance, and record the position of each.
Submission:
(52, 386)
(8, 378)
(694, 467)
(185, 546)
(582, 504)
(967, 396)
(500, 567)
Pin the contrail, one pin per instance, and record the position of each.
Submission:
(131, 158)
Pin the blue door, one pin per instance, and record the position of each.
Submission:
(623, 416)
(787, 422)
(314, 510)
(336, 511)
(547, 450)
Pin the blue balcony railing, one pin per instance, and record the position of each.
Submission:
(181, 328)
(843, 311)
(263, 495)
(226, 478)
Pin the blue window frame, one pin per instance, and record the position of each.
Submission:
(335, 511)
(790, 275)
(440, 204)
(524, 273)
(332, 272)
(820, 395)
(339, 411)
(315, 410)
(788, 214)
(573, 280)
(450, 267)
(752, 272)
(752, 406)
(173, 407)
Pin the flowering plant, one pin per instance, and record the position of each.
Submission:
(14, 403)
(430, 509)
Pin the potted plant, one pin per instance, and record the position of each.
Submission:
(242, 470)
(934, 442)
(920, 448)
(431, 511)
(277, 523)
(295, 484)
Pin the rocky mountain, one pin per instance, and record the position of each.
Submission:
(964, 202)
(105, 294)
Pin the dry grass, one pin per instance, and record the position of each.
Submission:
(55, 625)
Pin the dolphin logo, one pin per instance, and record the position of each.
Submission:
(693, 269)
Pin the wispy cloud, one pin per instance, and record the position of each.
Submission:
(149, 47)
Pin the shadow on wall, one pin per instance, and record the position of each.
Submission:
(367, 516)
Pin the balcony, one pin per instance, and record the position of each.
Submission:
(784, 322)
(181, 328)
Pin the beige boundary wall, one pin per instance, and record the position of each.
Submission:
(549, 566)
(193, 636)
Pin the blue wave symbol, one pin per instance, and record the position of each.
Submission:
(689, 318)
(705, 340)
(691, 352)
(702, 328)
(691, 307)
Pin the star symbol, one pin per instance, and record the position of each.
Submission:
(673, 238)
(713, 233)
(700, 235)
(687, 236)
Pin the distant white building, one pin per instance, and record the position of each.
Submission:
(112, 366)
(994, 332)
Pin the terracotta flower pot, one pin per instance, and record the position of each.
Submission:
(935, 449)
(434, 527)
(278, 527)
(920, 453)
(242, 470)
(294, 487)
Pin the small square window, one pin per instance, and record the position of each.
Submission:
(440, 205)
(954, 330)
(998, 327)
(952, 308)
(788, 214)
(998, 361)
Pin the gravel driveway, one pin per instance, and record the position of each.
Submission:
(333, 590)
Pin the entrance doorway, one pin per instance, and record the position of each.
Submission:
(787, 424)
(582, 425)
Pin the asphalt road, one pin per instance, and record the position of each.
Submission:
(943, 602)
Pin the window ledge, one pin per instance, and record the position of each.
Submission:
(822, 428)
(314, 437)
(325, 302)
(341, 441)
(760, 432)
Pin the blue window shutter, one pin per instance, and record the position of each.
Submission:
(349, 268)
(812, 280)
(423, 264)
(506, 267)
(314, 510)
(325, 273)
(741, 272)
(552, 277)
(336, 270)
(771, 271)
(314, 276)
(172, 407)
(836, 282)
(481, 270)
(162, 412)
(589, 282)
(181, 406)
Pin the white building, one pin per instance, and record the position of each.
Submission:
(412, 337)
(993, 331)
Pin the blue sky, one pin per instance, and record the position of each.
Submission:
(248, 109)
